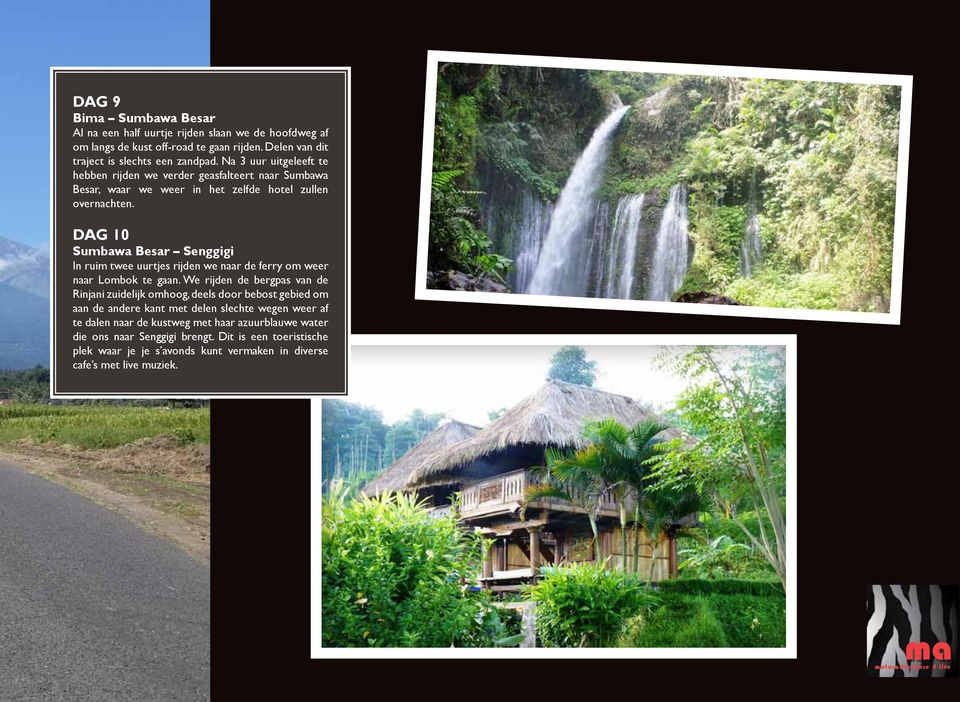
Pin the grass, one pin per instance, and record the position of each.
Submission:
(100, 426)
(692, 618)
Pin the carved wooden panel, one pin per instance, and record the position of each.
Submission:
(489, 493)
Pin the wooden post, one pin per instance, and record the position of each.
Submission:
(501, 559)
(673, 558)
(534, 549)
(558, 547)
(488, 563)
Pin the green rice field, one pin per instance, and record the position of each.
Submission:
(100, 426)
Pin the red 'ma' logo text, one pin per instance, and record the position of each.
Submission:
(917, 651)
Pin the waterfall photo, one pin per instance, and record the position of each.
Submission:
(664, 187)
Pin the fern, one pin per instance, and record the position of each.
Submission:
(444, 179)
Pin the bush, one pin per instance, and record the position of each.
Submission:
(760, 588)
(393, 575)
(810, 290)
(585, 605)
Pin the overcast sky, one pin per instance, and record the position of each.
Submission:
(465, 382)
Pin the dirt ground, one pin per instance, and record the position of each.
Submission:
(156, 482)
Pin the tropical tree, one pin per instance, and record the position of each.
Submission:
(641, 448)
(614, 463)
(660, 510)
(571, 365)
(574, 482)
(737, 406)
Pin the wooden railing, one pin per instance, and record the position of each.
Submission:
(505, 492)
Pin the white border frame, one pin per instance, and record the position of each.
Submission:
(348, 171)
(896, 283)
(317, 650)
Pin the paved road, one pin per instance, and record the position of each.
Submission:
(93, 607)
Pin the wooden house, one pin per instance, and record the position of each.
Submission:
(491, 471)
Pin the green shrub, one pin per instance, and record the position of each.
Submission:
(722, 558)
(810, 290)
(760, 588)
(393, 575)
(185, 435)
(585, 605)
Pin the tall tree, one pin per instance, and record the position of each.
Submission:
(737, 406)
(571, 365)
(614, 463)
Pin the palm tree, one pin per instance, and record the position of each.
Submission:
(572, 478)
(641, 449)
(660, 510)
(615, 467)
(613, 463)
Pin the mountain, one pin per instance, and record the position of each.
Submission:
(24, 305)
(25, 267)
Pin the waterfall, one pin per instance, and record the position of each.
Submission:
(534, 220)
(516, 219)
(672, 253)
(751, 249)
(562, 268)
(626, 231)
(599, 247)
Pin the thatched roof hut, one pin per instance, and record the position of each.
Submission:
(397, 474)
(555, 415)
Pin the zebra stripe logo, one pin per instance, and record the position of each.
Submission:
(905, 623)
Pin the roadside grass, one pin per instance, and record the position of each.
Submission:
(150, 463)
(100, 426)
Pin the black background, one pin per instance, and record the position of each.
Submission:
(878, 485)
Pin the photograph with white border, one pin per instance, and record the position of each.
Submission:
(492, 496)
(666, 187)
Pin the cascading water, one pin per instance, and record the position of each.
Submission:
(516, 219)
(599, 246)
(626, 231)
(672, 253)
(534, 220)
(562, 268)
(751, 251)
(751, 248)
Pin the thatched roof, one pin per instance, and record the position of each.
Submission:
(397, 474)
(553, 416)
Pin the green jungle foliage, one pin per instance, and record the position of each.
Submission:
(713, 614)
(585, 605)
(358, 445)
(736, 406)
(823, 157)
(393, 575)
(529, 123)
(721, 550)
(817, 161)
